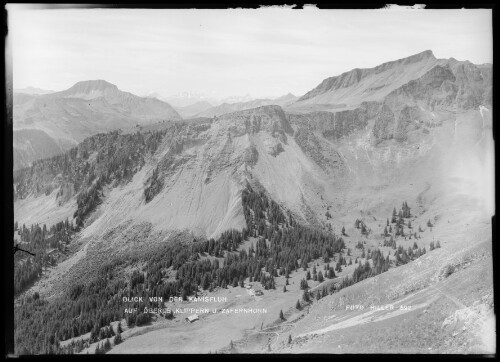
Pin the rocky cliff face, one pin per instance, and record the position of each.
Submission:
(334, 125)
(440, 88)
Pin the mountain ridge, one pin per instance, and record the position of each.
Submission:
(224, 108)
(87, 89)
(351, 88)
(86, 108)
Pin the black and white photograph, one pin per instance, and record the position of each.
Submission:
(265, 181)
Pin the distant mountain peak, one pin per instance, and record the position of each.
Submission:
(152, 94)
(89, 89)
(89, 85)
(288, 95)
(426, 54)
(354, 77)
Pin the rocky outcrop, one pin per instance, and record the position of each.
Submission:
(474, 86)
(406, 121)
(334, 125)
(318, 150)
(271, 119)
(383, 127)
(251, 156)
(435, 88)
(277, 149)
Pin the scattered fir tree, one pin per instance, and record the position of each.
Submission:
(118, 338)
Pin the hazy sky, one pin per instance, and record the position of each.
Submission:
(266, 52)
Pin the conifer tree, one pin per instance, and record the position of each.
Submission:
(303, 284)
(363, 229)
(282, 317)
(118, 338)
(297, 305)
(305, 296)
(111, 332)
(326, 258)
(102, 333)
